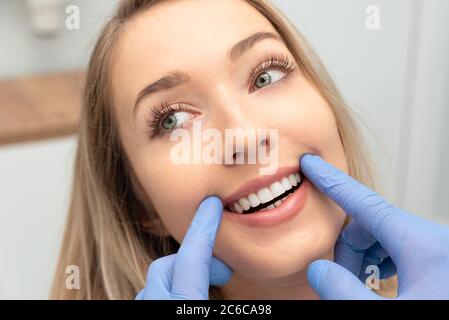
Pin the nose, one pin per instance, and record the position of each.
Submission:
(247, 138)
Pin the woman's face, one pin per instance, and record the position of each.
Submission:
(195, 38)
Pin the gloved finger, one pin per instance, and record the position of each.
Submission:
(159, 278)
(220, 273)
(351, 246)
(193, 260)
(348, 256)
(333, 282)
(355, 236)
(382, 220)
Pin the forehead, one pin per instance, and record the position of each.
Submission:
(181, 34)
(178, 28)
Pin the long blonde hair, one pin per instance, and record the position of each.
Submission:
(103, 236)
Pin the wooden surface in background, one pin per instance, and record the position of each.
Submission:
(41, 106)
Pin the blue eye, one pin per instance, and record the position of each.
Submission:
(271, 70)
(266, 78)
(166, 118)
(175, 120)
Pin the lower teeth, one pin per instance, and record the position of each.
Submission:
(276, 205)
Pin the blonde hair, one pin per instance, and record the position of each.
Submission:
(103, 236)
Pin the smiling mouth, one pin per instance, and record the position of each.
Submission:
(268, 197)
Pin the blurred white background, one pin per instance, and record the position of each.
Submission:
(396, 78)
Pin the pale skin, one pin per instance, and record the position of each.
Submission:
(195, 37)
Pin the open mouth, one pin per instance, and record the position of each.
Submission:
(268, 197)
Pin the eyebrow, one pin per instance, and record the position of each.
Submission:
(176, 78)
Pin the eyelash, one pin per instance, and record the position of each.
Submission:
(275, 61)
(158, 114)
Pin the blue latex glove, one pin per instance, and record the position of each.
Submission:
(378, 234)
(188, 273)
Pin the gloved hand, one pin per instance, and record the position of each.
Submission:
(187, 274)
(378, 234)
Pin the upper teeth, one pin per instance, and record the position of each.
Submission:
(267, 194)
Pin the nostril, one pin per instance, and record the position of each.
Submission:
(264, 142)
(238, 157)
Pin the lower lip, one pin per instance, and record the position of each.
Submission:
(269, 218)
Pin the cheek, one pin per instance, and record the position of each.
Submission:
(303, 118)
(310, 121)
(175, 190)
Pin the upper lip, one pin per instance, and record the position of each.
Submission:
(259, 183)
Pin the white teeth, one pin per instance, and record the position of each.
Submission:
(238, 208)
(277, 189)
(254, 200)
(244, 203)
(286, 184)
(292, 180)
(265, 195)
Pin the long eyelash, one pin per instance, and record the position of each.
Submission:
(158, 114)
(275, 61)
